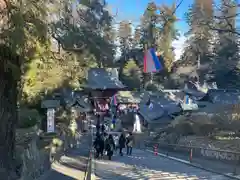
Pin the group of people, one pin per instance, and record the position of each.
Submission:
(104, 143)
(125, 142)
(103, 127)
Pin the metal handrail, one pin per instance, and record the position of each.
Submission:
(193, 147)
(156, 145)
(88, 168)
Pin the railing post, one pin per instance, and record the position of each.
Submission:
(155, 149)
(191, 154)
(167, 149)
(235, 171)
(235, 167)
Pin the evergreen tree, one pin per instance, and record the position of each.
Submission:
(22, 33)
(150, 29)
(226, 47)
(136, 42)
(89, 29)
(167, 35)
(125, 40)
(199, 37)
(132, 75)
(30, 62)
(200, 13)
(158, 31)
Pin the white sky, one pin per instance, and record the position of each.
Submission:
(179, 45)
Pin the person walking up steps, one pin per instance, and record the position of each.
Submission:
(110, 146)
(129, 144)
(103, 128)
(99, 145)
(121, 142)
(105, 137)
(113, 124)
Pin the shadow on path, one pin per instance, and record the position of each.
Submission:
(72, 165)
(144, 165)
(77, 163)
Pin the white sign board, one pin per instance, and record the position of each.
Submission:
(50, 120)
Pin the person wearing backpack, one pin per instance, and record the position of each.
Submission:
(110, 146)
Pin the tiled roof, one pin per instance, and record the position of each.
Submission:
(50, 103)
(128, 97)
(162, 106)
(166, 102)
(151, 114)
(99, 78)
(224, 96)
(81, 103)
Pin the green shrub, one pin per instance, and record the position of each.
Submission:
(57, 142)
(207, 129)
(131, 75)
(184, 129)
(151, 87)
(28, 118)
(63, 116)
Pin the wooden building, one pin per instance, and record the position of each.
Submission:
(101, 85)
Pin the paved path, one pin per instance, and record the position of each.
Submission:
(146, 166)
(72, 165)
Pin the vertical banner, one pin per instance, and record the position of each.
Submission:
(186, 99)
(50, 120)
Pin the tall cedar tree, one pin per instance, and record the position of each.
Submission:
(125, 39)
(226, 48)
(24, 27)
(199, 35)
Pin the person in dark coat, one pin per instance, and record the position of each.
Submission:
(98, 123)
(103, 128)
(99, 145)
(110, 146)
(97, 134)
(105, 137)
(98, 126)
(121, 143)
(129, 143)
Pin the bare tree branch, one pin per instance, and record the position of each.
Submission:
(226, 17)
(179, 4)
(223, 30)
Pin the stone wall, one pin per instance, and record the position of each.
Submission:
(203, 148)
(206, 142)
(226, 150)
(34, 162)
(220, 155)
(139, 139)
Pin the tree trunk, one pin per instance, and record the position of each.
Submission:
(123, 61)
(120, 72)
(8, 113)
